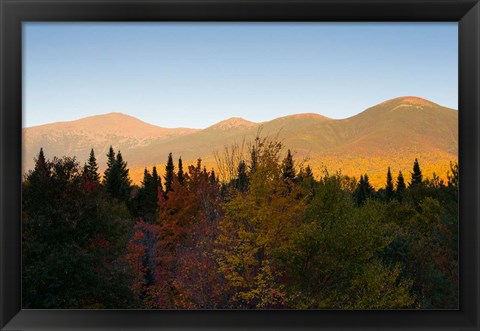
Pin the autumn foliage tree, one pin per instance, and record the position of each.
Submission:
(258, 231)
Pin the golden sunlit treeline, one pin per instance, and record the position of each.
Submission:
(260, 231)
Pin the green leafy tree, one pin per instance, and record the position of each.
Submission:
(452, 175)
(334, 258)
(257, 224)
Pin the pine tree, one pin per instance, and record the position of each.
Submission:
(416, 175)
(147, 178)
(117, 181)
(308, 172)
(42, 169)
(389, 188)
(213, 179)
(125, 182)
(156, 179)
(288, 169)
(364, 190)
(242, 179)
(41, 162)
(92, 167)
(205, 173)
(149, 195)
(180, 173)
(169, 168)
(400, 184)
(110, 163)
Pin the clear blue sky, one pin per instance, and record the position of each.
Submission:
(197, 74)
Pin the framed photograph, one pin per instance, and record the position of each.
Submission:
(240, 165)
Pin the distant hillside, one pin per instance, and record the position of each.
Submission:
(392, 133)
(76, 138)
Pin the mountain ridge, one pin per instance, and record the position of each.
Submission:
(389, 132)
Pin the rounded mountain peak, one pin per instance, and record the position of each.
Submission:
(409, 100)
(233, 122)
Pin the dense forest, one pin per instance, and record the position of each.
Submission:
(264, 232)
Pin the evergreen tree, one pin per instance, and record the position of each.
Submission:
(146, 177)
(117, 181)
(416, 175)
(92, 167)
(169, 168)
(205, 173)
(288, 169)
(213, 179)
(400, 184)
(308, 172)
(389, 188)
(125, 182)
(42, 168)
(110, 164)
(41, 162)
(149, 195)
(180, 173)
(66, 229)
(242, 179)
(156, 179)
(364, 190)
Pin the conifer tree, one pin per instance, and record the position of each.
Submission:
(147, 178)
(169, 168)
(149, 195)
(242, 179)
(400, 184)
(110, 163)
(288, 169)
(156, 179)
(364, 190)
(416, 175)
(125, 183)
(389, 188)
(180, 173)
(308, 172)
(213, 179)
(117, 181)
(92, 167)
(41, 169)
(41, 162)
(205, 173)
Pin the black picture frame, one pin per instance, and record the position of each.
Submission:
(14, 12)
